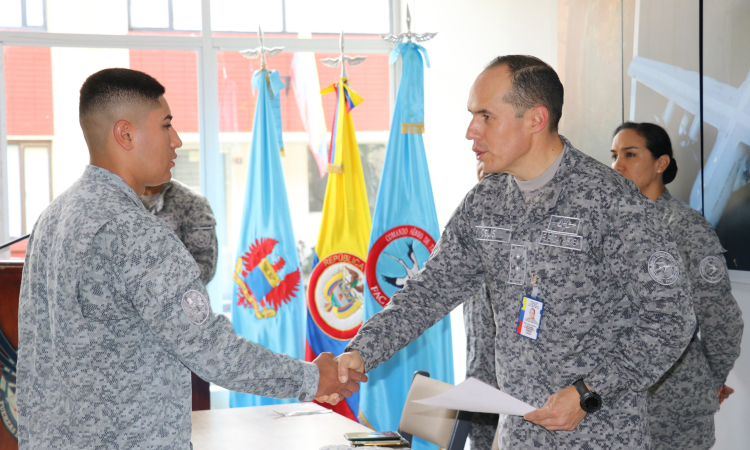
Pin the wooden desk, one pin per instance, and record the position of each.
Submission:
(259, 427)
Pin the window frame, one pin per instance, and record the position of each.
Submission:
(33, 27)
(206, 46)
(391, 6)
(22, 144)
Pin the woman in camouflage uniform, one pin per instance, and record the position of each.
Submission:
(682, 403)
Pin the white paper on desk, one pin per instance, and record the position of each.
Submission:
(473, 395)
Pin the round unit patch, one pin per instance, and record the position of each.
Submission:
(663, 268)
(201, 237)
(335, 295)
(712, 269)
(398, 255)
(195, 306)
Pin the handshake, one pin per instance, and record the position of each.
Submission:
(339, 376)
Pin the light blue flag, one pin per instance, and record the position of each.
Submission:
(268, 306)
(404, 231)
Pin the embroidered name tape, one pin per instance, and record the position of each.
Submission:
(663, 268)
(712, 269)
(496, 234)
(561, 240)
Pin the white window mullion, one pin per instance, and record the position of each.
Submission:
(4, 205)
(212, 162)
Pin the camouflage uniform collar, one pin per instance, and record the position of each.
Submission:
(101, 175)
(547, 196)
(666, 196)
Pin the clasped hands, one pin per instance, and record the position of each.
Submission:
(339, 376)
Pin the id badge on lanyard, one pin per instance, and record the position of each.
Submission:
(530, 317)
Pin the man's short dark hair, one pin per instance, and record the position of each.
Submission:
(534, 83)
(108, 87)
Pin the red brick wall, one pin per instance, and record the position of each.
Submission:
(28, 90)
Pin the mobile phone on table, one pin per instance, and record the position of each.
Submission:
(373, 436)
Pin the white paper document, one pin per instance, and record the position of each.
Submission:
(473, 395)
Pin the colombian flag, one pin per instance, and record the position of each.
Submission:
(335, 295)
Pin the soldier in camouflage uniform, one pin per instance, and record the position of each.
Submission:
(553, 224)
(113, 314)
(682, 403)
(190, 216)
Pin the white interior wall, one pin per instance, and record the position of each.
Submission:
(470, 34)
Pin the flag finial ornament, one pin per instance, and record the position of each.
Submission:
(261, 51)
(410, 37)
(343, 59)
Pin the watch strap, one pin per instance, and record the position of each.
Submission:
(580, 386)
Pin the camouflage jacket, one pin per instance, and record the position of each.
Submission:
(112, 318)
(191, 218)
(617, 307)
(689, 387)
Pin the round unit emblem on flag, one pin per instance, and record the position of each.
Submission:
(398, 255)
(336, 294)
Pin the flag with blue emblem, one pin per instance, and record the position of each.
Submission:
(404, 232)
(335, 293)
(268, 306)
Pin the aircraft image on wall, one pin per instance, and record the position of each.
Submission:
(725, 107)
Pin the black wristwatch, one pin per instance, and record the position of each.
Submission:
(590, 401)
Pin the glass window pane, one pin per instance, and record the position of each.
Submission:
(10, 13)
(14, 191)
(36, 183)
(229, 15)
(186, 15)
(34, 13)
(40, 116)
(149, 13)
(332, 16)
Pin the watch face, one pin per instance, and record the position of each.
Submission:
(591, 403)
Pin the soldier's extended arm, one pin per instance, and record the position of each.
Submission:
(453, 270)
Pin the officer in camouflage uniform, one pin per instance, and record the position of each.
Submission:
(682, 403)
(553, 224)
(113, 314)
(190, 216)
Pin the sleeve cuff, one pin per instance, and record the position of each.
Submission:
(310, 379)
(606, 383)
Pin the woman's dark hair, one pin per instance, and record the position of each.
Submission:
(658, 143)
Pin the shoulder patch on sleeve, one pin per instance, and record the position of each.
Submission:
(663, 268)
(195, 306)
(712, 269)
